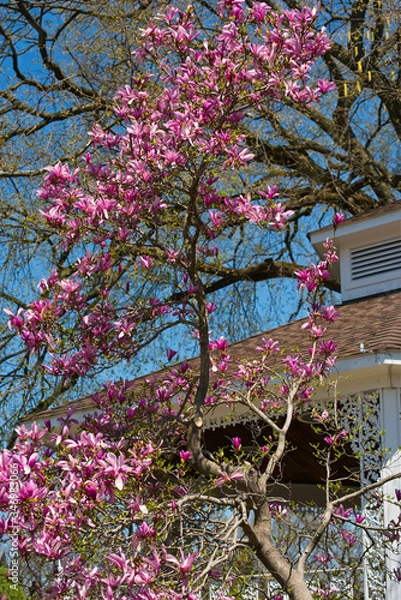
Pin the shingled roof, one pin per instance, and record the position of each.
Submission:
(374, 322)
(368, 325)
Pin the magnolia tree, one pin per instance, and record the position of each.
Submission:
(128, 503)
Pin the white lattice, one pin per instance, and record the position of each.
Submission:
(250, 593)
(213, 421)
(375, 559)
(361, 415)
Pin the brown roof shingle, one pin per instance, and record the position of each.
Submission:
(368, 325)
(374, 322)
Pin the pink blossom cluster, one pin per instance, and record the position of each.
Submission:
(315, 275)
(67, 477)
(155, 211)
(72, 481)
(297, 373)
(180, 125)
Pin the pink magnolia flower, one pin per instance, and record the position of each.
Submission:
(327, 86)
(340, 511)
(119, 560)
(138, 505)
(338, 217)
(236, 441)
(269, 345)
(216, 217)
(144, 531)
(329, 313)
(185, 455)
(226, 478)
(171, 353)
(172, 255)
(323, 558)
(220, 344)
(211, 307)
(143, 576)
(185, 565)
(259, 11)
(117, 467)
(146, 261)
(16, 321)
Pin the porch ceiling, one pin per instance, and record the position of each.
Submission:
(300, 464)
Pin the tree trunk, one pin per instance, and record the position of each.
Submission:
(291, 580)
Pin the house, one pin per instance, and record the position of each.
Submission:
(368, 373)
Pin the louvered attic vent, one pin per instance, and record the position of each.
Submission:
(376, 259)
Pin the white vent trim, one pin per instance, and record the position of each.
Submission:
(375, 259)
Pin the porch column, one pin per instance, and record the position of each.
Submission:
(390, 408)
